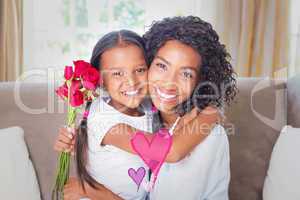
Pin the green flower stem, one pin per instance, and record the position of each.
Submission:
(63, 172)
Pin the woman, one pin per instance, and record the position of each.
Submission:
(176, 44)
(189, 68)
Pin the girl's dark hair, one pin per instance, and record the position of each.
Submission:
(81, 145)
(113, 39)
(217, 83)
(108, 41)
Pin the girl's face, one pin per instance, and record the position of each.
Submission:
(173, 75)
(124, 73)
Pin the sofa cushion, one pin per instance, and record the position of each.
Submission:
(254, 123)
(283, 178)
(36, 108)
(18, 179)
(293, 98)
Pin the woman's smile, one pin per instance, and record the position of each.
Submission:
(173, 75)
(166, 95)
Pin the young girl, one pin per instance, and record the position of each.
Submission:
(120, 58)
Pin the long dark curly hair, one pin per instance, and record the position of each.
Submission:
(217, 79)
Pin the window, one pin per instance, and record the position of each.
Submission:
(57, 32)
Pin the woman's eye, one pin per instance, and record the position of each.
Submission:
(187, 75)
(161, 65)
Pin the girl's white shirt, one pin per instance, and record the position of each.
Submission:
(108, 164)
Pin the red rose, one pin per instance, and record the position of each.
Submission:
(80, 67)
(75, 85)
(68, 72)
(62, 91)
(76, 98)
(90, 78)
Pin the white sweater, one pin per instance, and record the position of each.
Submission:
(108, 164)
(202, 175)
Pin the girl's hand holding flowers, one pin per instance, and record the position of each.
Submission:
(78, 88)
(65, 141)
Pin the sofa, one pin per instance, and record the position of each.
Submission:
(253, 123)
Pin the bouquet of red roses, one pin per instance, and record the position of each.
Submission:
(79, 86)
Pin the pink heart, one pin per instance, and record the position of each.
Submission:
(154, 152)
(137, 175)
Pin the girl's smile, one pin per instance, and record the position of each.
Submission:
(124, 72)
(131, 93)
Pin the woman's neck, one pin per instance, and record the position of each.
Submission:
(168, 118)
(123, 109)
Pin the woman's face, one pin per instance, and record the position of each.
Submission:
(124, 73)
(173, 75)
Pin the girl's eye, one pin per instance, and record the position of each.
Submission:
(117, 73)
(162, 66)
(141, 70)
(187, 75)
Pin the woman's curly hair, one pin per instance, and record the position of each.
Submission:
(217, 83)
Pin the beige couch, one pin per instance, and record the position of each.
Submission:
(261, 109)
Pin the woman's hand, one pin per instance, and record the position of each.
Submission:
(65, 140)
(191, 130)
(73, 190)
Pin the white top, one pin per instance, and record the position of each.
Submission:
(202, 175)
(108, 164)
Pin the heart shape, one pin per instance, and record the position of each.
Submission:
(137, 175)
(154, 152)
